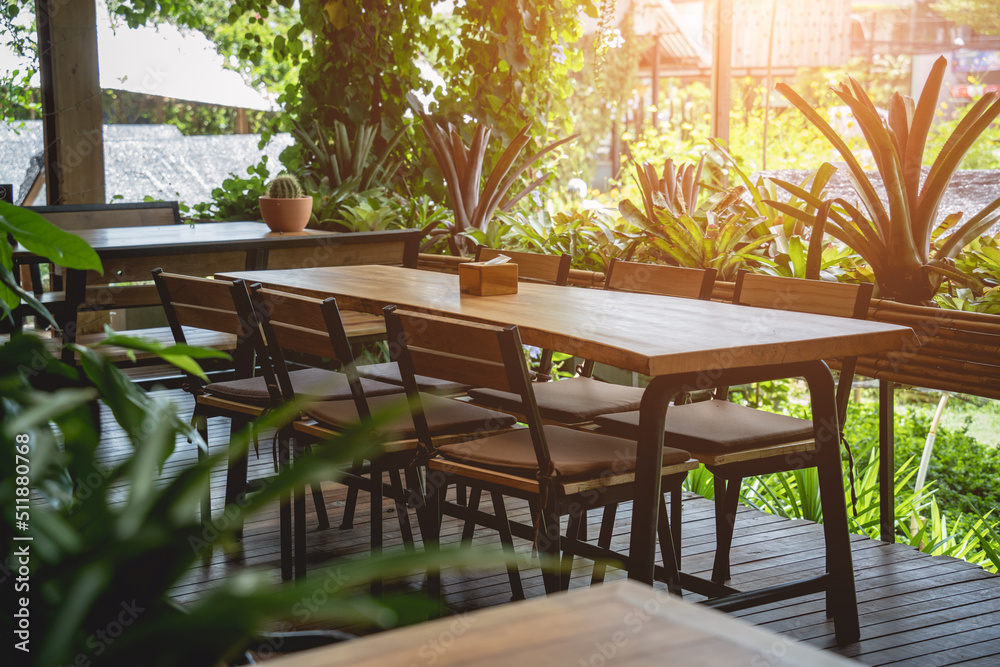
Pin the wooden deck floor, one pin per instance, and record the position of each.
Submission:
(915, 609)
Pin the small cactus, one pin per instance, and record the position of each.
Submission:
(284, 186)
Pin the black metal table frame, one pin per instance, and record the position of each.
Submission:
(838, 581)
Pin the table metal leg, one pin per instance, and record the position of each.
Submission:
(842, 603)
(886, 460)
(648, 472)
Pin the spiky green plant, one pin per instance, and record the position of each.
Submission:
(334, 159)
(676, 191)
(905, 243)
(718, 235)
(284, 186)
(474, 202)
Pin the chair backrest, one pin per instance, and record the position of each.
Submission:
(656, 279)
(531, 266)
(200, 303)
(660, 279)
(96, 216)
(819, 297)
(216, 305)
(312, 327)
(482, 355)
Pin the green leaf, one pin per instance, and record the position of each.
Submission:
(180, 355)
(42, 238)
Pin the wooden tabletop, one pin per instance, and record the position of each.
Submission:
(621, 623)
(654, 335)
(206, 237)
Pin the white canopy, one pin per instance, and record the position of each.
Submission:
(164, 61)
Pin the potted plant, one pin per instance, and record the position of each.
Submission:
(285, 208)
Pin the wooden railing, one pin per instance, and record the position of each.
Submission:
(959, 351)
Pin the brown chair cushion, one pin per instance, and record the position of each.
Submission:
(576, 454)
(569, 401)
(309, 382)
(389, 372)
(715, 427)
(444, 415)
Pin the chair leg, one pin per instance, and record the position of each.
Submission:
(319, 502)
(472, 502)
(351, 504)
(667, 549)
(675, 518)
(402, 514)
(604, 541)
(236, 474)
(432, 508)
(200, 423)
(549, 547)
(375, 538)
(414, 495)
(285, 517)
(573, 528)
(725, 523)
(507, 543)
(299, 521)
(461, 494)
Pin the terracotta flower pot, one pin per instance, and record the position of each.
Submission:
(286, 215)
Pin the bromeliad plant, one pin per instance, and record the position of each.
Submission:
(473, 202)
(906, 244)
(681, 226)
(719, 234)
(677, 191)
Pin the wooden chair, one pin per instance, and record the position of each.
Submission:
(295, 323)
(194, 305)
(559, 471)
(531, 267)
(735, 441)
(578, 400)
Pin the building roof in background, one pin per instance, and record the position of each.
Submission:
(145, 160)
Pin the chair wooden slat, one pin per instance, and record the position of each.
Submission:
(199, 302)
(202, 292)
(660, 279)
(454, 368)
(532, 266)
(463, 339)
(298, 323)
(314, 342)
(819, 297)
(207, 318)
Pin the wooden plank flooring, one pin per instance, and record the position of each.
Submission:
(915, 609)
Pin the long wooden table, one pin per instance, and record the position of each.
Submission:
(685, 344)
(622, 623)
(129, 254)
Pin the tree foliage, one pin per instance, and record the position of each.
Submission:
(983, 15)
